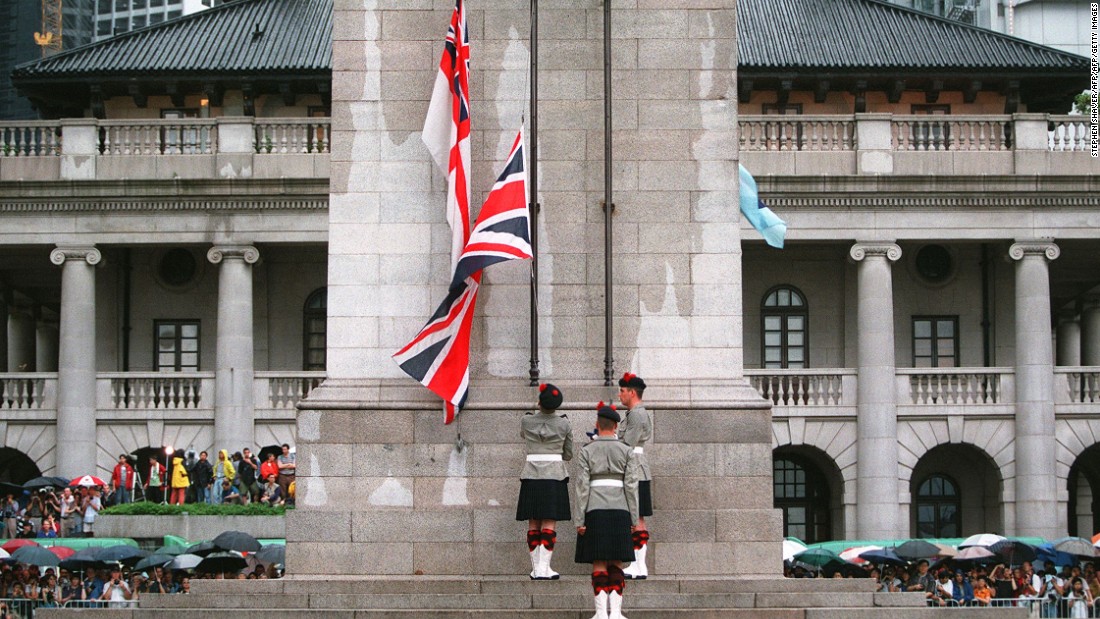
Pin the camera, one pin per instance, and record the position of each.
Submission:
(115, 581)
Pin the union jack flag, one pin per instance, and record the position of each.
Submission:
(447, 127)
(439, 356)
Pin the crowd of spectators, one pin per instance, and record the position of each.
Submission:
(49, 513)
(1069, 591)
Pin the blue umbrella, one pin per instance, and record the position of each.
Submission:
(885, 556)
(1048, 554)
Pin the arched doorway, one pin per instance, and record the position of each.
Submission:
(807, 488)
(956, 491)
(1084, 493)
(16, 467)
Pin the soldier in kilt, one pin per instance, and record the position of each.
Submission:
(606, 511)
(637, 430)
(544, 485)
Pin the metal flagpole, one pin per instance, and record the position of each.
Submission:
(608, 205)
(533, 199)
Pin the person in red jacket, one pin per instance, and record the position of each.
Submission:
(269, 467)
(122, 480)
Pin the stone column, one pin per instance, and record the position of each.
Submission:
(76, 390)
(877, 444)
(234, 414)
(1068, 338)
(1090, 333)
(1036, 478)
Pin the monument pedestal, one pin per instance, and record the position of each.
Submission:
(386, 489)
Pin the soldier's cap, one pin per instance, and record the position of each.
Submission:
(632, 381)
(550, 397)
(607, 411)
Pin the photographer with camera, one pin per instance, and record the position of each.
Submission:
(116, 591)
(1051, 591)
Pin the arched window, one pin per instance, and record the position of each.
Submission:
(785, 318)
(938, 507)
(800, 491)
(314, 317)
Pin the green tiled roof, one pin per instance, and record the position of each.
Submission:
(862, 35)
(253, 37)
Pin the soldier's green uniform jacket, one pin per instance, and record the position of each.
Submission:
(606, 458)
(636, 430)
(546, 433)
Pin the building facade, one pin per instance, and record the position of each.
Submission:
(929, 339)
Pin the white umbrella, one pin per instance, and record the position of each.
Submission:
(4, 554)
(981, 539)
(851, 555)
(791, 548)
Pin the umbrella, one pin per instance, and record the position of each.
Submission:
(1047, 554)
(818, 557)
(1015, 552)
(4, 554)
(185, 562)
(171, 549)
(946, 551)
(851, 555)
(885, 556)
(1075, 546)
(15, 544)
(274, 553)
(202, 549)
(237, 540)
(975, 553)
(981, 539)
(88, 481)
(35, 555)
(44, 482)
(917, 549)
(83, 559)
(154, 560)
(791, 548)
(9, 488)
(220, 562)
(122, 553)
(62, 552)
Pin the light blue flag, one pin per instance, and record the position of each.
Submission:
(767, 223)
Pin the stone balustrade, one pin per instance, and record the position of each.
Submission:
(804, 388)
(954, 386)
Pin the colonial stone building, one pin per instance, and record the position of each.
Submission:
(170, 247)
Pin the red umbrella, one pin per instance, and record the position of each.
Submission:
(62, 552)
(88, 481)
(15, 544)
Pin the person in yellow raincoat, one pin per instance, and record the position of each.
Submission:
(223, 470)
(180, 481)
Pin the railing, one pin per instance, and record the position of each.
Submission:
(283, 390)
(1069, 133)
(958, 133)
(807, 133)
(30, 138)
(292, 135)
(1082, 384)
(191, 136)
(27, 391)
(800, 387)
(158, 390)
(938, 386)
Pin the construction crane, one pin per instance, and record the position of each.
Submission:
(50, 37)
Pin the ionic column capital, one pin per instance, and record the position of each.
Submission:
(87, 253)
(1022, 249)
(248, 253)
(862, 250)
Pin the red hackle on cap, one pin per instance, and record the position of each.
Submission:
(600, 405)
(542, 387)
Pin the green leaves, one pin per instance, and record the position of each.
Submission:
(194, 509)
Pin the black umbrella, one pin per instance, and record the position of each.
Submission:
(45, 482)
(222, 562)
(122, 553)
(153, 560)
(202, 549)
(82, 560)
(237, 540)
(270, 449)
(886, 556)
(34, 555)
(917, 549)
(7, 488)
(1015, 552)
(272, 553)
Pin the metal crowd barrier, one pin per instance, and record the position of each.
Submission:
(1040, 608)
(22, 608)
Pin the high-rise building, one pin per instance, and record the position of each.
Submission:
(118, 16)
(19, 20)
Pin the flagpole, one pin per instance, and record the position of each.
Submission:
(608, 205)
(533, 200)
